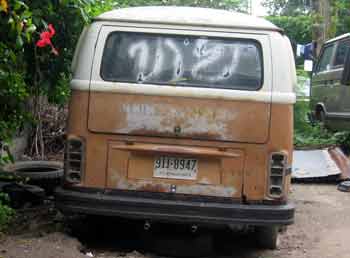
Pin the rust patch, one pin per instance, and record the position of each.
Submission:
(174, 149)
(148, 187)
(210, 190)
(131, 167)
(199, 136)
(195, 189)
(123, 183)
(182, 118)
(142, 185)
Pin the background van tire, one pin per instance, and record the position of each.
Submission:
(321, 117)
(267, 237)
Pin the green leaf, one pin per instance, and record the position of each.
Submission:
(19, 41)
(13, 57)
(18, 5)
(31, 28)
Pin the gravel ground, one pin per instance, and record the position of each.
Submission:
(321, 230)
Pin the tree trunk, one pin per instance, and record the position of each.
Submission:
(322, 25)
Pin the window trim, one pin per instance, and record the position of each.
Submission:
(334, 67)
(334, 45)
(208, 86)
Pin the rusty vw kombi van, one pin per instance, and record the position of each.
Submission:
(181, 115)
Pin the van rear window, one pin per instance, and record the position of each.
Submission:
(182, 61)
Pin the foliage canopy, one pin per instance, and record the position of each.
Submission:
(298, 28)
(288, 7)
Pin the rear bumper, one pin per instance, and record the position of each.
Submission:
(151, 207)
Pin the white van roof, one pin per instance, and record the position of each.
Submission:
(188, 16)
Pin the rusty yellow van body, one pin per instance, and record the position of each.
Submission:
(181, 114)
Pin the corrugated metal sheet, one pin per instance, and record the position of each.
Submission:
(314, 164)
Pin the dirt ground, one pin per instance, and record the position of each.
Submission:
(321, 229)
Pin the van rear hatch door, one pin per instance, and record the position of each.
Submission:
(193, 92)
(208, 87)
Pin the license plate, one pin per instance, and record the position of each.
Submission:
(175, 168)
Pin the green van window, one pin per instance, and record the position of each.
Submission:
(341, 52)
(326, 59)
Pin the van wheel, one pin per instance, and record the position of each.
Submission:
(321, 118)
(267, 237)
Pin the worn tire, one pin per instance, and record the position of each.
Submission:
(321, 118)
(36, 170)
(267, 237)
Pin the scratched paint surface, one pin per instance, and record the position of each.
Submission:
(134, 170)
(182, 60)
(152, 117)
(178, 117)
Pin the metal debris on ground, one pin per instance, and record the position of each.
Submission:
(314, 164)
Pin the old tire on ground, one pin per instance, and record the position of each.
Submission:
(46, 174)
(267, 236)
(36, 169)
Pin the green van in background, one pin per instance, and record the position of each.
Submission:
(330, 86)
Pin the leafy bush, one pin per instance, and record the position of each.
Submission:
(6, 212)
(305, 133)
(308, 135)
(343, 140)
(16, 30)
(29, 70)
(315, 135)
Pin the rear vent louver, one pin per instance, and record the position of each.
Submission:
(74, 159)
(278, 163)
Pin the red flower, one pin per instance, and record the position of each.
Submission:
(45, 39)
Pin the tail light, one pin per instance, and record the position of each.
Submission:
(74, 160)
(278, 166)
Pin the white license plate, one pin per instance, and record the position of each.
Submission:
(175, 167)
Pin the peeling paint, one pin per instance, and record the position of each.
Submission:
(164, 118)
(220, 191)
(203, 187)
(196, 189)
(204, 181)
